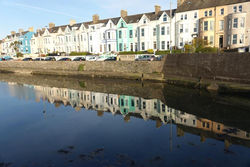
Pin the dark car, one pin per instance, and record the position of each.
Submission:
(50, 59)
(8, 59)
(27, 59)
(64, 59)
(111, 59)
(38, 59)
(79, 59)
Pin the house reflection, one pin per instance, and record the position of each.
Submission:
(131, 106)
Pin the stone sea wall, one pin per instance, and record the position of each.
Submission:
(118, 66)
(232, 67)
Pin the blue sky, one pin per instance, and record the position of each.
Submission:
(15, 14)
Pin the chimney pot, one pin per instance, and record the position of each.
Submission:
(157, 9)
(124, 13)
(20, 30)
(180, 2)
(51, 25)
(95, 18)
(31, 29)
(72, 22)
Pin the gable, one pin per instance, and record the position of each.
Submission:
(144, 19)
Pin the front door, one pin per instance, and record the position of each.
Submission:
(221, 41)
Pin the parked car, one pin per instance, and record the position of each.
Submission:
(79, 59)
(64, 59)
(111, 59)
(145, 58)
(28, 59)
(39, 59)
(157, 58)
(50, 59)
(8, 59)
(93, 58)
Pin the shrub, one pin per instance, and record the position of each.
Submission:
(133, 53)
(19, 54)
(79, 53)
(81, 67)
(189, 48)
(206, 50)
(151, 51)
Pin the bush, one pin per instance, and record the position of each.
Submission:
(19, 54)
(206, 50)
(133, 53)
(189, 48)
(81, 67)
(151, 51)
(79, 53)
(165, 52)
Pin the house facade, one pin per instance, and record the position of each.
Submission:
(223, 24)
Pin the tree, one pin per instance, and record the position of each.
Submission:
(15, 45)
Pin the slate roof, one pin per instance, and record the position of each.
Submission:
(152, 16)
(129, 19)
(189, 5)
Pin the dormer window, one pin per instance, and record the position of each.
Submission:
(165, 17)
(110, 25)
(240, 8)
(205, 14)
(122, 25)
(235, 9)
(195, 15)
(222, 11)
(210, 13)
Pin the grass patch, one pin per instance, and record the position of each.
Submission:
(81, 67)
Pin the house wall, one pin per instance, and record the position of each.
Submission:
(25, 47)
(189, 24)
(240, 30)
(210, 32)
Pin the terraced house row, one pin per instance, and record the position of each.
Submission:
(221, 23)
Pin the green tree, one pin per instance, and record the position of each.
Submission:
(15, 45)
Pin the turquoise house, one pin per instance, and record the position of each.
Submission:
(25, 40)
(125, 36)
(126, 104)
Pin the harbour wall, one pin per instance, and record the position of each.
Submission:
(198, 69)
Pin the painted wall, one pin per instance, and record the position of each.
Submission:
(25, 40)
(124, 41)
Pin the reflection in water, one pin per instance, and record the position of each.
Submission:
(130, 106)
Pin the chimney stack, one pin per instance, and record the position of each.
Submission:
(31, 29)
(20, 30)
(157, 9)
(95, 18)
(51, 25)
(13, 32)
(43, 29)
(180, 2)
(124, 13)
(72, 22)
(38, 30)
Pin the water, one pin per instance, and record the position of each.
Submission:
(57, 122)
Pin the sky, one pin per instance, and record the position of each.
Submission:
(16, 14)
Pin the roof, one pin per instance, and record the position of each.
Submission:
(152, 16)
(129, 19)
(189, 5)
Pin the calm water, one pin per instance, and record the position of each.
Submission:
(61, 126)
